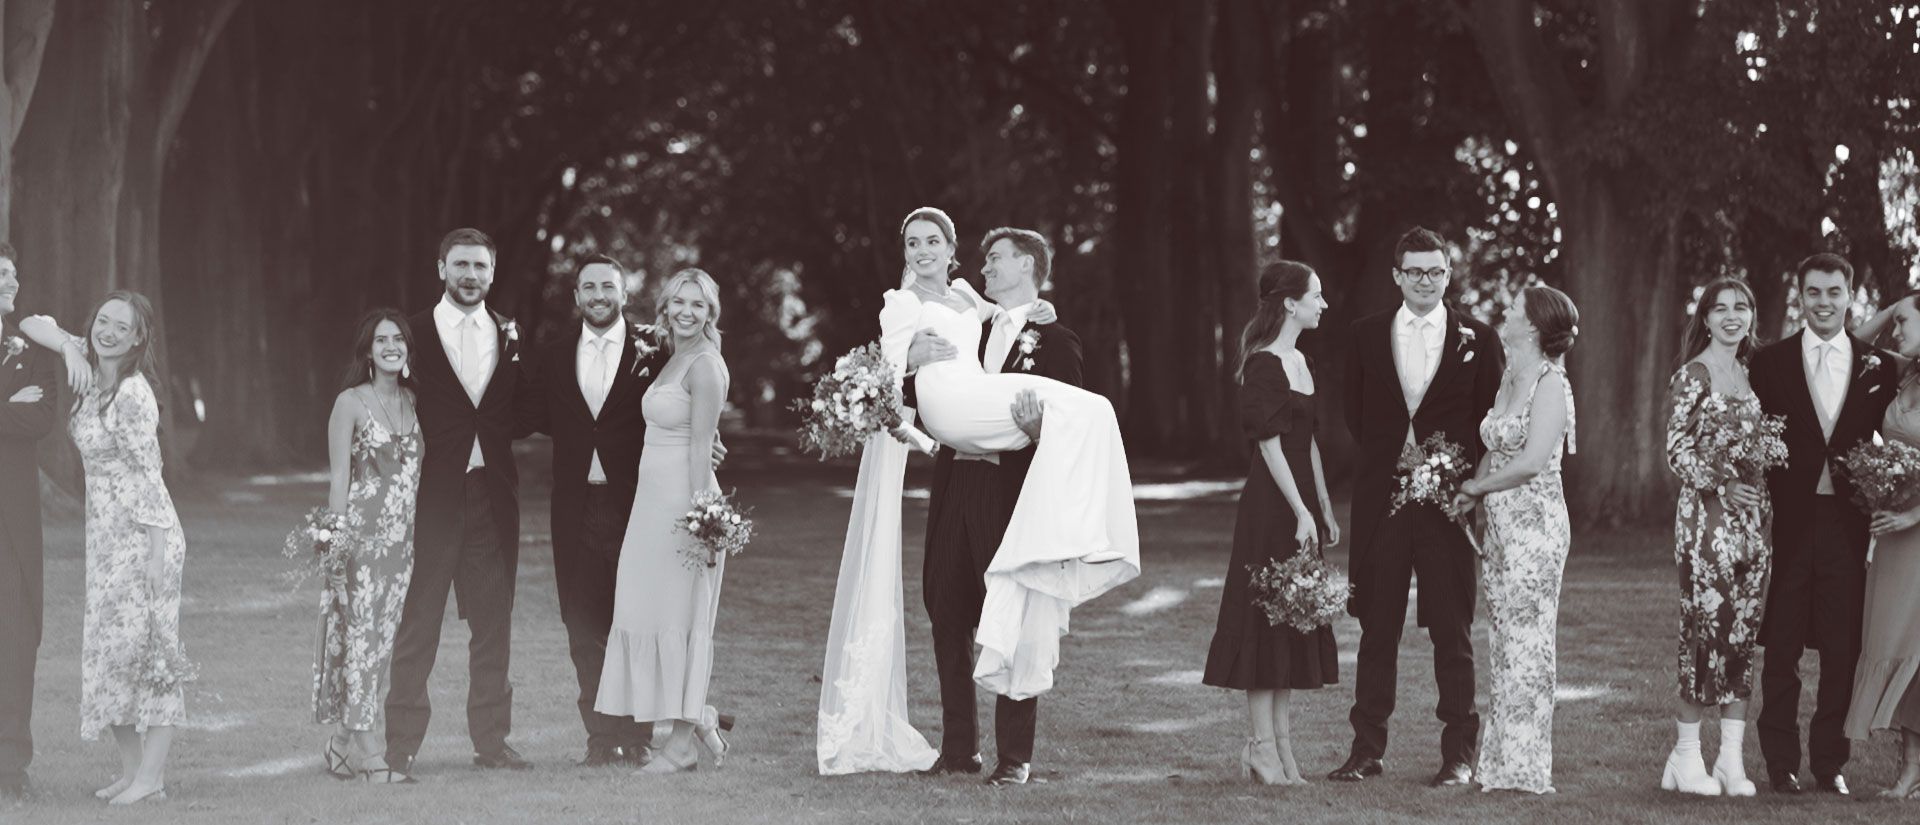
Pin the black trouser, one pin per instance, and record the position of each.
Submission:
(1422, 540)
(20, 602)
(963, 533)
(478, 573)
(1815, 599)
(586, 573)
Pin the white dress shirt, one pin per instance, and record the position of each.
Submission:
(597, 360)
(1418, 356)
(1006, 329)
(469, 331)
(1829, 366)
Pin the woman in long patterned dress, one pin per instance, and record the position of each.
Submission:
(660, 652)
(132, 667)
(1528, 536)
(1284, 510)
(1886, 695)
(374, 447)
(1721, 544)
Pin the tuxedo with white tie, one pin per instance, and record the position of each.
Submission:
(1408, 377)
(1833, 394)
(585, 391)
(467, 372)
(22, 423)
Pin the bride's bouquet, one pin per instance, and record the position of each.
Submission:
(719, 527)
(1303, 592)
(1885, 476)
(1430, 474)
(1734, 438)
(858, 398)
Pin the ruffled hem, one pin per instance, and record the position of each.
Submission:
(1881, 698)
(652, 677)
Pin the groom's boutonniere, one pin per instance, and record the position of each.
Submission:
(1869, 364)
(1465, 342)
(15, 346)
(1029, 342)
(645, 346)
(512, 330)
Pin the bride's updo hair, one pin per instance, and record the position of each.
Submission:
(940, 219)
(1554, 315)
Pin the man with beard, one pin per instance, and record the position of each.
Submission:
(26, 382)
(467, 526)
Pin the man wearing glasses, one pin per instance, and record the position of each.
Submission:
(1420, 369)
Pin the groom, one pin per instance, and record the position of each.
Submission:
(1411, 372)
(972, 498)
(27, 385)
(467, 525)
(1833, 390)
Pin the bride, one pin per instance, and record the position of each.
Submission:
(1072, 536)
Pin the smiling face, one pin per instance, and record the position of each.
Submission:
(600, 294)
(389, 352)
(687, 310)
(927, 250)
(1009, 274)
(1422, 277)
(9, 285)
(114, 331)
(1516, 327)
(1308, 308)
(1825, 297)
(1906, 328)
(1729, 317)
(468, 274)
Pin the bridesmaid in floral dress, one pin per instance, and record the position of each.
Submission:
(1721, 544)
(1528, 536)
(132, 668)
(374, 443)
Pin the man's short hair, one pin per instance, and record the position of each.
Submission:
(468, 236)
(1027, 242)
(591, 260)
(1418, 239)
(7, 251)
(1822, 262)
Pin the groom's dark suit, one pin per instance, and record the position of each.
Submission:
(22, 424)
(969, 506)
(1818, 585)
(466, 538)
(590, 519)
(1386, 551)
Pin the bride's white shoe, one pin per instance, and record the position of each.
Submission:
(1732, 775)
(1688, 774)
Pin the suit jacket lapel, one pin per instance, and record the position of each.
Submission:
(1013, 347)
(501, 356)
(1384, 351)
(623, 378)
(1860, 381)
(436, 366)
(1799, 393)
(1451, 357)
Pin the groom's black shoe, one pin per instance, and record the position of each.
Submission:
(400, 762)
(948, 764)
(505, 757)
(1452, 773)
(1009, 773)
(599, 756)
(1357, 768)
(1784, 782)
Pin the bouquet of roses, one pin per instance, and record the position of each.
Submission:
(1884, 475)
(719, 527)
(858, 398)
(167, 666)
(1303, 592)
(1749, 446)
(1431, 473)
(318, 546)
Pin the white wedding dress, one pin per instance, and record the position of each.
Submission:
(1072, 537)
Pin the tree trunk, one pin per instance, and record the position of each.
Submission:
(1190, 316)
(1141, 216)
(25, 26)
(1237, 62)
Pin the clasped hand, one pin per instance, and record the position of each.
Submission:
(1742, 495)
(28, 395)
(1886, 522)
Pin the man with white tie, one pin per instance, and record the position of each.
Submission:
(1420, 369)
(1833, 390)
(467, 526)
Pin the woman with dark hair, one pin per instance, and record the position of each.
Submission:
(132, 669)
(373, 451)
(1284, 511)
(1528, 535)
(1722, 544)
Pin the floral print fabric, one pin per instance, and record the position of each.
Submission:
(360, 612)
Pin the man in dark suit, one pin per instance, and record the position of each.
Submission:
(972, 499)
(27, 375)
(1833, 390)
(467, 368)
(1413, 371)
(585, 390)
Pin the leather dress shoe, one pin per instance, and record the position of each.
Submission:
(1833, 784)
(505, 757)
(1452, 773)
(1009, 773)
(401, 762)
(948, 764)
(1785, 783)
(636, 755)
(600, 756)
(1358, 768)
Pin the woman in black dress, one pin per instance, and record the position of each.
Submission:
(1275, 521)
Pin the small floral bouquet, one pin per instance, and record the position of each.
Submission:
(719, 527)
(1303, 592)
(859, 398)
(1431, 473)
(1885, 476)
(166, 667)
(1733, 438)
(318, 545)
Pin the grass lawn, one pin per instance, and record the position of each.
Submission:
(1128, 735)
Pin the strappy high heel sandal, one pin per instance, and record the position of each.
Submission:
(387, 776)
(1248, 770)
(337, 763)
(708, 732)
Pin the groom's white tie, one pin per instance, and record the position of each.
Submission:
(471, 378)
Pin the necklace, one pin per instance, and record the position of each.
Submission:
(940, 296)
(384, 411)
